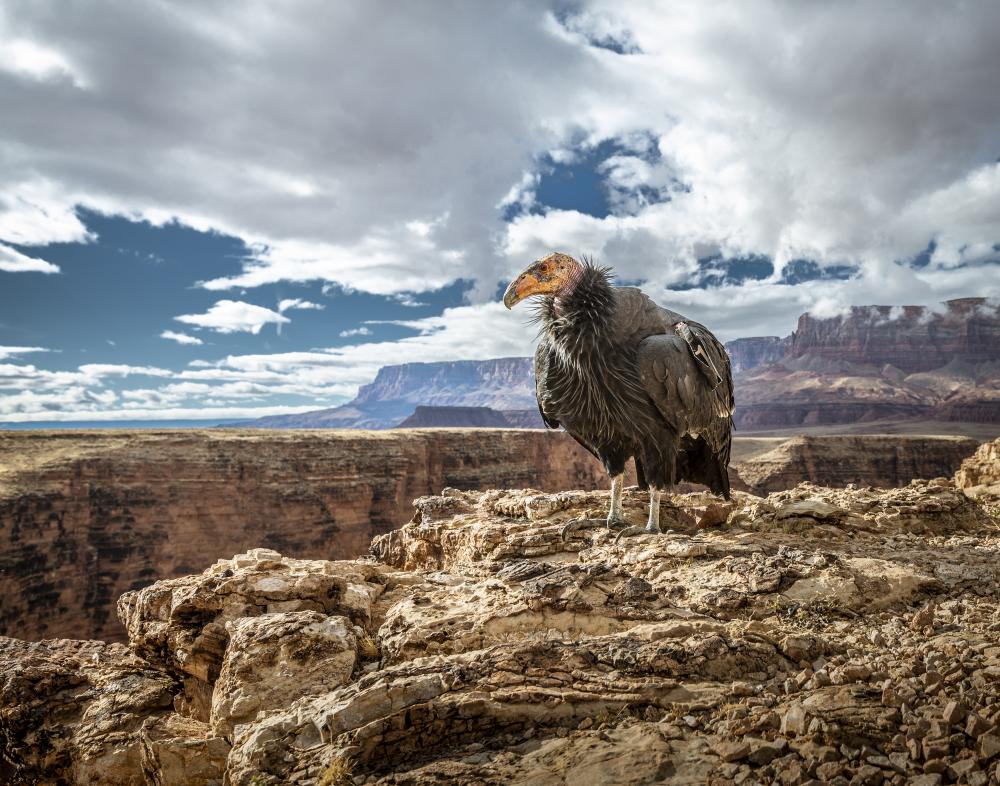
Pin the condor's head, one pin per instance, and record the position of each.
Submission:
(552, 275)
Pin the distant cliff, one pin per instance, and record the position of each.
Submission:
(460, 417)
(747, 353)
(473, 417)
(500, 383)
(910, 338)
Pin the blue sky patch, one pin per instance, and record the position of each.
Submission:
(115, 296)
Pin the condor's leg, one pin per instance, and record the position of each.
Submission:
(660, 475)
(652, 523)
(614, 519)
(615, 464)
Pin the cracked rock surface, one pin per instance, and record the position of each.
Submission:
(847, 636)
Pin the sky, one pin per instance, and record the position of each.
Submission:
(223, 210)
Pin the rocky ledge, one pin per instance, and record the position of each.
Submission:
(979, 474)
(842, 636)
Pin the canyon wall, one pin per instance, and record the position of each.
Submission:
(879, 363)
(86, 516)
(836, 461)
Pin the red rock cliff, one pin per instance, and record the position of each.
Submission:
(911, 338)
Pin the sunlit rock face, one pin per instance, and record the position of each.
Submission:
(979, 475)
(910, 338)
(771, 638)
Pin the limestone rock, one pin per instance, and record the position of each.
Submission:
(292, 622)
(73, 711)
(274, 659)
(179, 751)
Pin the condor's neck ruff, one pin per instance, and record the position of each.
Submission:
(583, 304)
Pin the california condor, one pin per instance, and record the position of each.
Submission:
(629, 379)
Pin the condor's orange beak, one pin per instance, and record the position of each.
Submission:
(545, 277)
(523, 286)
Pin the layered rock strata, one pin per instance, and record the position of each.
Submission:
(845, 636)
(87, 516)
(878, 363)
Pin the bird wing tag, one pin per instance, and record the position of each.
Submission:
(697, 347)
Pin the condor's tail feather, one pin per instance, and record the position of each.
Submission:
(697, 462)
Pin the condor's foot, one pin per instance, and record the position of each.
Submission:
(612, 522)
(650, 529)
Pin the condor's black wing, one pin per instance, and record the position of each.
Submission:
(686, 373)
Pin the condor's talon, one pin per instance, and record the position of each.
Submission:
(576, 525)
(630, 531)
(614, 522)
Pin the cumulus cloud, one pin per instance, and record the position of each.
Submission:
(12, 261)
(35, 211)
(795, 133)
(384, 185)
(466, 332)
(7, 352)
(299, 303)
(359, 331)
(824, 131)
(181, 338)
(255, 381)
(26, 58)
(98, 370)
(234, 316)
